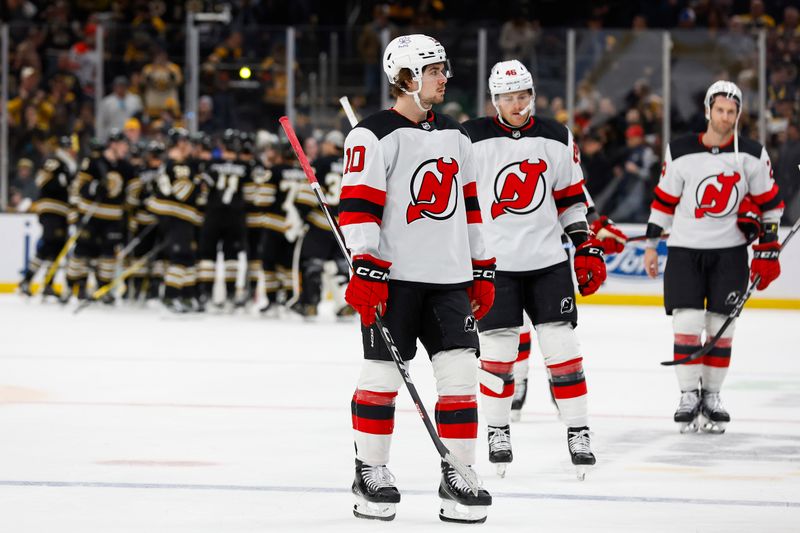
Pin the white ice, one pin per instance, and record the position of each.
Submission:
(122, 420)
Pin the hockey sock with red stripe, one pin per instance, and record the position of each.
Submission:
(568, 385)
(373, 424)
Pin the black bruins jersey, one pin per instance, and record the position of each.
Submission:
(328, 170)
(101, 186)
(140, 189)
(227, 181)
(177, 191)
(53, 181)
(258, 194)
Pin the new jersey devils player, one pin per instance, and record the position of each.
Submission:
(706, 179)
(410, 216)
(530, 187)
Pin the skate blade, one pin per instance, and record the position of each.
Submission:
(715, 428)
(373, 510)
(516, 415)
(688, 427)
(452, 511)
(581, 471)
(501, 469)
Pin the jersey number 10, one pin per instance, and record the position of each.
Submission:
(354, 159)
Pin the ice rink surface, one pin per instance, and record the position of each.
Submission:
(122, 420)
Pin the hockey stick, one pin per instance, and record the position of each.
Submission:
(69, 244)
(469, 475)
(734, 313)
(348, 110)
(125, 274)
(487, 379)
(122, 254)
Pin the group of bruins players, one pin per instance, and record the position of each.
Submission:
(158, 214)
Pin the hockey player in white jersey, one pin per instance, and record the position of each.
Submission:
(706, 179)
(530, 187)
(410, 217)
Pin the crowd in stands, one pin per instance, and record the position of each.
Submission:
(54, 65)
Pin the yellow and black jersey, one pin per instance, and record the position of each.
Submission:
(53, 181)
(328, 170)
(259, 194)
(101, 186)
(140, 189)
(177, 192)
(227, 180)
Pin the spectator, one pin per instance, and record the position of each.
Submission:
(132, 130)
(117, 107)
(84, 56)
(640, 160)
(161, 80)
(29, 95)
(790, 27)
(27, 52)
(23, 179)
(206, 120)
(518, 37)
(756, 17)
(787, 173)
(369, 50)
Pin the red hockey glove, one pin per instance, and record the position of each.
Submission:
(590, 268)
(481, 292)
(765, 263)
(368, 288)
(749, 219)
(611, 236)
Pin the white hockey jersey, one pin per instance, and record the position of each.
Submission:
(530, 187)
(409, 197)
(701, 187)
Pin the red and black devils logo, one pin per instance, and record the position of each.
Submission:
(519, 195)
(717, 195)
(434, 192)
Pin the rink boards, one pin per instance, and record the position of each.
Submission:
(627, 282)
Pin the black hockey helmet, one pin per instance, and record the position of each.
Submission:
(155, 148)
(96, 145)
(69, 142)
(116, 135)
(231, 140)
(176, 135)
(248, 142)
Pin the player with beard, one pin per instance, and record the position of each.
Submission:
(715, 196)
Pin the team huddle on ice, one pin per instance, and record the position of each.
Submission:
(456, 233)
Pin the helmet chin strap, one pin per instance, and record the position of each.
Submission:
(528, 108)
(415, 96)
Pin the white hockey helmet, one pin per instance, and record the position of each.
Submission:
(413, 52)
(508, 77)
(728, 89)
